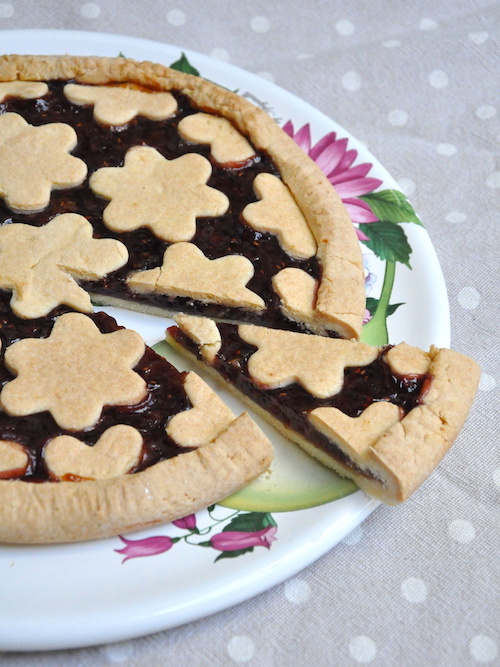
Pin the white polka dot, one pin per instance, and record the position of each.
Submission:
(6, 10)
(176, 17)
(487, 382)
(269, 76)
(240, 648)
(493, 180)
(455, 216)
(297, 591)
(407, 185)
(354, 537)
(397, 117)
(362, 649)
(469, 298)
(391, 43)
(428, 24)
(118, 652)
(446, 149)
(351, 81)
(90, 10)
(496, 477)
(414, 590)
(344, 27)
(438, 79)
(486, 111)
(220, 54)
(478, 37)
(483, 649)
(461, 531)
(260, 24)
(304, 56)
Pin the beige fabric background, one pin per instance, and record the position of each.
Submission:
(418, 584)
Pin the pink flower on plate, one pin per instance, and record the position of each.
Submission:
(234, 540)
(187, 522)
(335, 161)
(149, 546)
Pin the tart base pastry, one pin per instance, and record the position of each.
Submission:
(384, 417)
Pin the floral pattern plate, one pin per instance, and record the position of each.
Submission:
(133, 585)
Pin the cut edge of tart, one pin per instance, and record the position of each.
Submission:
(386, 450)
(336, 303)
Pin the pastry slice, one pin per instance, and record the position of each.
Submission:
(384, 417)
(99, 435)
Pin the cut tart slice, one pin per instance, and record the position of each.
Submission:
(383, 417)
(99, 435)
(217, 211)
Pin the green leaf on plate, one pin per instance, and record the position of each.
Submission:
(233, 554)
(371, 305)
(388, 241)
(250, 522)
(391, 206)
(183, 65)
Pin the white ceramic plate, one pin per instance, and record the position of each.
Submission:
(67, 596)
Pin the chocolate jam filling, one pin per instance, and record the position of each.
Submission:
(165, 398)
(292, 404)
(102, 146)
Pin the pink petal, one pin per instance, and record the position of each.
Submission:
(330, 158)
(359, 211)
(359, 171)
(288, 128)
(303, 138)
(356, 187)
(347, 160)
(361, 236)
(323, 143)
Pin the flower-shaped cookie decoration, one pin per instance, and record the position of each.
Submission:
(204, 332)
(227, 145)
(117, 105)
(13, 459)
(297, 291)
(187, 272)
(208, 417)
(356, 434)
(407, 360)
(117, 451)
(27, 90)
(283, 358)
(40, 264)
(277, 213)
(74, 372)
(164, 195)
(35, 160)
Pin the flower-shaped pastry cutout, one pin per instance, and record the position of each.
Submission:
(277, 213)
(27, 90)
(297, 291)
(117, 451)
(40, 264)
(356, 434)
(35, 160)
(285, 357)
(74, 373)
(407, 360)
(117, 105)
(227, 145)
(13, 459)
(208, 417)
(187, 272)
(164, 195)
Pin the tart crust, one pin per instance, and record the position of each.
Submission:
(340, 298)
(396, 462)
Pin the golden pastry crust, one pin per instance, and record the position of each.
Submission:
(397, 455)
(177, 487)
(340, 298)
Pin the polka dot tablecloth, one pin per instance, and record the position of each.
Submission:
(418, 83)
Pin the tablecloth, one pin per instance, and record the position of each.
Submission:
(418, 82)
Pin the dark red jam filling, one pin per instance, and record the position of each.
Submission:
(165, 398)
(291, 405)
(101, 146)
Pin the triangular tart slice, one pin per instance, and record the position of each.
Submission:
(382, 416)
(99, 435)
(155, 158)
